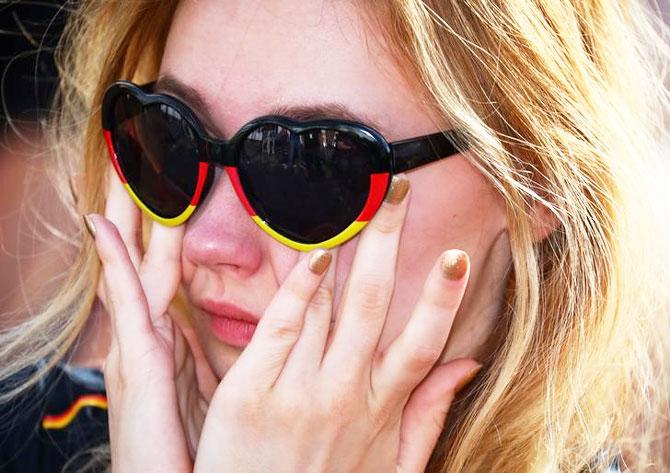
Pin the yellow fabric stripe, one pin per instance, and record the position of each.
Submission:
(63, 420)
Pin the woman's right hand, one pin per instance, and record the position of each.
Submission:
(152, 426)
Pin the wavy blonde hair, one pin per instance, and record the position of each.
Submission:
(565, 103)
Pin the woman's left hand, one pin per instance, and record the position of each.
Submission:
(299, 401)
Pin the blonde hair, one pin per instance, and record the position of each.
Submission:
(565, 106)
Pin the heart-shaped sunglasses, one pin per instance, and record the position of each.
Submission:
(308, 184)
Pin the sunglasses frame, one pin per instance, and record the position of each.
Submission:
(392, 158)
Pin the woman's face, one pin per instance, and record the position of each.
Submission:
(246, 58)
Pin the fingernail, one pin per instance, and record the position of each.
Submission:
(467, 379)
(319, 261)
(454, 264)
(89, 225)
(397, 190)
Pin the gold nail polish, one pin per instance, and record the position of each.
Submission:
(319, 261)
(467, 379)
(88, 223)
(398, 190)
(454, 264)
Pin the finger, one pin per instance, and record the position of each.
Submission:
(305, 357)
(205, 377)
(426, 411)
(160, 270)
(126, 303)
(411, 356)
(279, 329)
(125, 215)
(369, 286)
(194, 390)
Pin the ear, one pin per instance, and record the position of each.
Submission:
(544, 222)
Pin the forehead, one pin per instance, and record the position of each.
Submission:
(246, 58)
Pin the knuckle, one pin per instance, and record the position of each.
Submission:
(374, 294)
(386, 222)
(437, 300)
(297, 288)
(159, 259)
(340, 403)
(422, 357)
(341, 399)
(284, 328)
(323, 297)
(292, 406)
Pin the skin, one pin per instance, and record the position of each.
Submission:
(264, 57)
(372, 393)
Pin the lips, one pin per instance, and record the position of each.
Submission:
(230, 323)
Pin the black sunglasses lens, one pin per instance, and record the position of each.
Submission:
(158, 154)
(308, 186)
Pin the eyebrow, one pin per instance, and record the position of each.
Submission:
(170, 85)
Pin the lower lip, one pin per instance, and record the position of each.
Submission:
(234, 332)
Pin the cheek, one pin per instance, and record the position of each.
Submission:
(451, 203)
(187, 270)
(451, 206)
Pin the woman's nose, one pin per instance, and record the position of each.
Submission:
(221, 235)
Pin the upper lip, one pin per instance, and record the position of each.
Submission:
(228, 310)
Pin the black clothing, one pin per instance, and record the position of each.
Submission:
(42, 430)
(54, 422)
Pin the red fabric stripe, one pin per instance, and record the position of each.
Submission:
(235, 181)
(378, 184)
(80, 402)
(112, 155)
(202, 174)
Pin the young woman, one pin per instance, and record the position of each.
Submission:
(504, 155)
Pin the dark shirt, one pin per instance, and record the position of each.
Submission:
(55, 423)
(64, 416)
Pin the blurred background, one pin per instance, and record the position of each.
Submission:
(31, 258)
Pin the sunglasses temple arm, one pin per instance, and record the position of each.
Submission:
(148, 87)
(414, 152)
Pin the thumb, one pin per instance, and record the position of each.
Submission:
(426, 411)
(189, 346)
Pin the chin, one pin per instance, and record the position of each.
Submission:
(221, 356)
